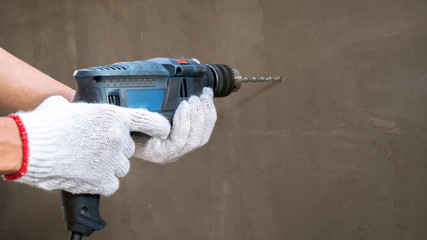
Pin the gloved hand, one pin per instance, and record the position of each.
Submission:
(81, 147)
(192, 127)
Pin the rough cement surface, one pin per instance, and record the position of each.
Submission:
(336, 152)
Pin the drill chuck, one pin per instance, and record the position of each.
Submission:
(223, 79)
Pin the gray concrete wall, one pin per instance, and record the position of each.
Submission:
(338, 151)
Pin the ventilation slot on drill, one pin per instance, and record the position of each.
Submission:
(113, 98)
(183, 93)
(109, 67)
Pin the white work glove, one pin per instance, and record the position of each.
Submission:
(82, 147)
(192, 127)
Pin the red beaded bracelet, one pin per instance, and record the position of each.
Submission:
(26, 152)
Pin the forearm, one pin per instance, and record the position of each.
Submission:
(24, 87)
(10, 146)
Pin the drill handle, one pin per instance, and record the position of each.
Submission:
(81, 213)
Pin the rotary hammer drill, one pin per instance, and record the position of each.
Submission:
(158, 85)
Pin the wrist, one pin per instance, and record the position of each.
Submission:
(11, 150)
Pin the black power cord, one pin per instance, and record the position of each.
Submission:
(76, 236)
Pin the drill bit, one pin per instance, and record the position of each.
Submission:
(238, 79)
(262, 79)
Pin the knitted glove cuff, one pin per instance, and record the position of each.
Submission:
(43, 151)
(25, 149)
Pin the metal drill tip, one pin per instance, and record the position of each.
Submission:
(262, 79)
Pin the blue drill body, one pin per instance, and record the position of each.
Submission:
(157, 84)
